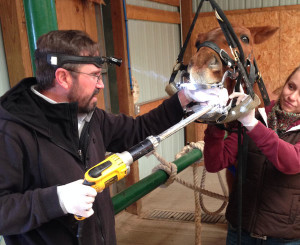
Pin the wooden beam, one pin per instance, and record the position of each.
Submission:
(150, 14)
(98, 1)
(175, 3)
(91, 28)
(144, 108)
(120, 48)
(125, 96)
(71, 19)
(15, 40)
(187, 19)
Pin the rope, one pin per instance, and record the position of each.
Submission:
(219, 210)
(171, 169)
(168, 167)
(197, 209)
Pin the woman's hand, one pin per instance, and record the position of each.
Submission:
(248, 119)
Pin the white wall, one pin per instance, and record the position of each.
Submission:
(4, 81)
(2, 241)
(154, 48)
(243, 4)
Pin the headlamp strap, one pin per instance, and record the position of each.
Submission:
(58, 60)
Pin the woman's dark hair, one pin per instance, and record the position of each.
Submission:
(292, 74)
(278, 90)
(71, 42)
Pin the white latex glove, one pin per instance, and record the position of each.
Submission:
(248, 119)
(239, 95)
(76, 198)
(210, 96)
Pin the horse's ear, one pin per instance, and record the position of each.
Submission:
(262, 33)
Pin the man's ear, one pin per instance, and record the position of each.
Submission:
(63, 78)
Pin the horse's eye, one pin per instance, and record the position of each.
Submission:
(245, 39)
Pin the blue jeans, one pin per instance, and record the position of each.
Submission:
(246, 239)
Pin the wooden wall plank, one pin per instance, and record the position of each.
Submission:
(149, 106)
(187, 19)
(150, 14)
(289, 56)
(15, 40)
(90, 21)
(25, 51)
(90, 24)
(175, 3)
(125, 94)
(71, 19)
(120, 49)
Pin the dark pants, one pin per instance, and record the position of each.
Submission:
(247, 239)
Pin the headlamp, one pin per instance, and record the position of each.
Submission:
(58, 60)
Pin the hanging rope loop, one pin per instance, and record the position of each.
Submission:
(171, 169)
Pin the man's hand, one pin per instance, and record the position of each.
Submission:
(212, 96)
(76, 198)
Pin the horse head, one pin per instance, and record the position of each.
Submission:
(206, 66)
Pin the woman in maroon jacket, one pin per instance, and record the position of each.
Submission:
(271, 188)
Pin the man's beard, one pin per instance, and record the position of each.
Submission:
(85, 106)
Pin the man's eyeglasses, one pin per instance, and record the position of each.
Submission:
(99, 77)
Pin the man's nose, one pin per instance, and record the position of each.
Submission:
(100, 84)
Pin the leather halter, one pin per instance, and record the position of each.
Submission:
(221, 52)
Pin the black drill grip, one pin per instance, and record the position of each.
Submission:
(141, 149)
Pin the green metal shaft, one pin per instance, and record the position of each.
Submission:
(151, 182)
(40, 19)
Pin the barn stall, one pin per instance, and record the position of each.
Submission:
(147, 35)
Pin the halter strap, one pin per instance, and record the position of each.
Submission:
(221, 52)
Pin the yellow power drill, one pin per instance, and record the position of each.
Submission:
(117, 166)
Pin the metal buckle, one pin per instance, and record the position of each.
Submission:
(258, 236)
(225, 57)
(234, 53)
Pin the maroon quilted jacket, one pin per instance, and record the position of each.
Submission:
(271, 188)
